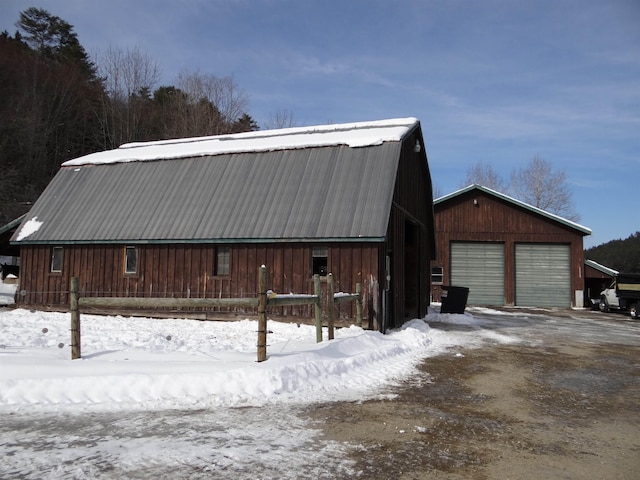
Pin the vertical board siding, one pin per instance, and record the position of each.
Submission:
(186, 271)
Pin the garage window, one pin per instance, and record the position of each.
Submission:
(437, 275)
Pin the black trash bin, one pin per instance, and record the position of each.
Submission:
(454, 299)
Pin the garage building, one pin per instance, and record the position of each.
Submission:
(506, 251)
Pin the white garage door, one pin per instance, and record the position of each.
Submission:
(543, 275)
(479, 267)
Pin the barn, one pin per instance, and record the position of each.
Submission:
(197, 217)
(506, 252)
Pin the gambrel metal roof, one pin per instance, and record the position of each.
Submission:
(301, 185)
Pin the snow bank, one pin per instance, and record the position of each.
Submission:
(138, 363)
(7, 292)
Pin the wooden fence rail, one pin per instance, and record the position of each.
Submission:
(261, 302)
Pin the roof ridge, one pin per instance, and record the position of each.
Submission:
(353, 135)
(283, 132)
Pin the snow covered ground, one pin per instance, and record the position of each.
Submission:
(141, 363)
(152, 397)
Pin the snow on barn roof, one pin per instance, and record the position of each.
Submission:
(258, 186)
(361, 134)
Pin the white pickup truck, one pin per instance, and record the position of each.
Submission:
(623, 294)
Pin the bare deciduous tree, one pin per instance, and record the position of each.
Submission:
(280, 119)
(129, 76)
(539, 185)
(127, 72)
(215, 103)
(484, 174)
(536, 184)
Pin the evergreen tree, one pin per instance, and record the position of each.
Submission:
(54, 39)
(244, 124)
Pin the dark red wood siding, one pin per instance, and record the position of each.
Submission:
(186, 270)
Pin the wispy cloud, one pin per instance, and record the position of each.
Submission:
(494, 79)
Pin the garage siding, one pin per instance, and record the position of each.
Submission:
(543, 275)
(479, 266)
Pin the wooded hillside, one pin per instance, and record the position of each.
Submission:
(621, 255)
(57, 104)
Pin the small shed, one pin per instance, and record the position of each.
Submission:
(597, 278)
(197, 217)
(506, 251)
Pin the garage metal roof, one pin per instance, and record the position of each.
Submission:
(294, 190)
(601, 268)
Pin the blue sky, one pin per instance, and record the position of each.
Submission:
(493, 81)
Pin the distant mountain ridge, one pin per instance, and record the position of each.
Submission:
(621, 255)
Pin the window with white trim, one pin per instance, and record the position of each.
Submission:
(223, 261)
(57, 256)
(437, 275)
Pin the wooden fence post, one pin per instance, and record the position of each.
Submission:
(331, 306)
(75, 318)
(359, 305)
(317, 290)
(262, 314)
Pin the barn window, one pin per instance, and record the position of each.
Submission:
(56, 259)
(320, 255)
(223, 261)
(437, 275)
(131, 260)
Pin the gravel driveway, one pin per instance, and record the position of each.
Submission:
(565, 404)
